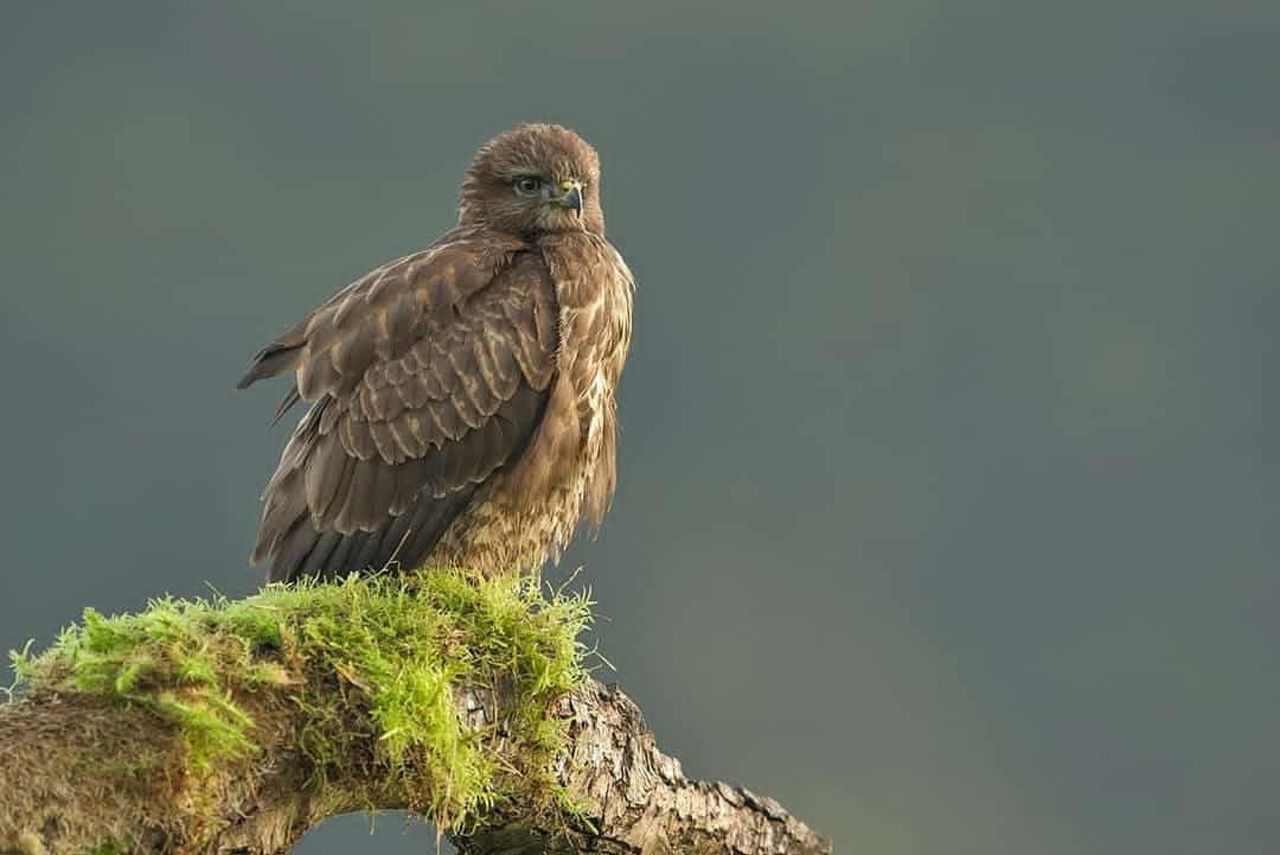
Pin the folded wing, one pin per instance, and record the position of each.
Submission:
(425, 378)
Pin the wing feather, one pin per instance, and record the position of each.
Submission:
(425, 377)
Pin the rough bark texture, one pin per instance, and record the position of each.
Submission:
(83, 772)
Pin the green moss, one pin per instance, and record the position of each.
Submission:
(109, 847)
(395, 646)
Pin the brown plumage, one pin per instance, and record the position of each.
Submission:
(462, 397)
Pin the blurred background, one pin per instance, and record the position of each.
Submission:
(950, 486)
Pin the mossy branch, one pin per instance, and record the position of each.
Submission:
(234, 726)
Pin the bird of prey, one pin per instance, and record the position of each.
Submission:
(462, 409)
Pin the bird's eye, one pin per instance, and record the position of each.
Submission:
(527, 184)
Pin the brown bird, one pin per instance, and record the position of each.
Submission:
(462, 397)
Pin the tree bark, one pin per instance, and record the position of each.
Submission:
(83, 772)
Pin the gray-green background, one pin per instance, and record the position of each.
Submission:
(950, 485)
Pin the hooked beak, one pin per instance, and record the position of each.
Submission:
(570, 196)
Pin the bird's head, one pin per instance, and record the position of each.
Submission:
(534, 179)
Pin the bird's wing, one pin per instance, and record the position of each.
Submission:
(426, 376)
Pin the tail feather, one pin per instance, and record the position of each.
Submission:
(295, 549)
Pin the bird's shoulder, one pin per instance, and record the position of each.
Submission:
(464, 282)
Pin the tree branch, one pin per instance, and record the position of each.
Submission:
(235, 727)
